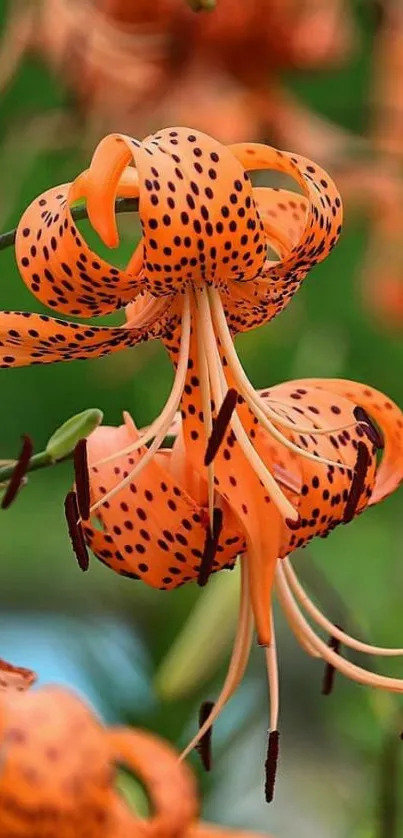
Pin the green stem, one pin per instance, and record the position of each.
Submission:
(38, 461)
(78, 213)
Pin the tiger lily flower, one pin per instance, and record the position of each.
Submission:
(154, 522)
(199, 275)
(58, 773)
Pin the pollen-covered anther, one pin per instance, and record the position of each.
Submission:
(330, 672)
(203, 747)
(271, 764)
(220, 425)
(368, 427)
(357, 484)
(20, 470)
(75, 530)
(82, 480)
(210, 548)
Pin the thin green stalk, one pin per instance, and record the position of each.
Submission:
(38, 461)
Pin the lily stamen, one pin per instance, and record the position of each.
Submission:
(271, 764)
(358, 482)
(329, 673)
(159, 428)
(75, 530)
(255, 402)
(302, 628)
(220, 425)
(82, 479)
(333, 630)
(210, 548)
(239, 659)
(220, 387)
(20, 470)
(204, 746)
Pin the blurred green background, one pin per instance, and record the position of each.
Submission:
(107, 636)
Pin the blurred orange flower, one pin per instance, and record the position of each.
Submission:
(59, 767)
(138, 65)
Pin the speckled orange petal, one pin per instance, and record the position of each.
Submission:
(283, 215)
(196, 203)
(280, 280)
(388, 417)
(158, 531)
(15, 677)
(27, 338)
(169, 783)
(58, 266)
(324, 488)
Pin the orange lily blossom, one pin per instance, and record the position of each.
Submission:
(58, 772)
(198, 275)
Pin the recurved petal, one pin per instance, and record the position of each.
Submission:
(58, 266)
(27, 338)
(388, 418)
(324, 489)
(318, 230)
(195, 201)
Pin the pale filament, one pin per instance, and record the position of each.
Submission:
(148, 314)
(252, 396)
(207, 413)
(313, 429)
(239, 659)
(272, 676)
(281, 474)
(326, 624)
(218, 379)
(284, 598)
(162, 424)
(168, 413)
(350, 670)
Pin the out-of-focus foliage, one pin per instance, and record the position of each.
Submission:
(339, 766)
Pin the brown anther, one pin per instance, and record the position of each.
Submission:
(203, 747)
(220, 425)
(19, 472)
(75, 531)
(293, 525)
(330, 672)
(271, 764)
(82, 479)
(357, 483)
(368, 427)
(210, 548)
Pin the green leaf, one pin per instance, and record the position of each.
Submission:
(65, 439)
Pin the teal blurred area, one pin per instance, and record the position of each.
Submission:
(107, 636)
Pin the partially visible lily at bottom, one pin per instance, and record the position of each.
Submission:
(59, 766)
(150, 516)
